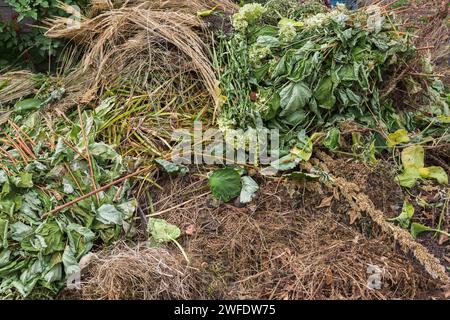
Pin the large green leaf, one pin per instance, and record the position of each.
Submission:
(225, 184)
(109, 214)
(293, 97)
(408, 177)
(80, 239)
(325, 93)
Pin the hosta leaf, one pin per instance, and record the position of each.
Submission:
(225, 184)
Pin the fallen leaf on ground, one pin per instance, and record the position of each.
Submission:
(326, 202)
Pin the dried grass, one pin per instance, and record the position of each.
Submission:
(142, 41)
(139, 273)
(15, 85)
(282, 246)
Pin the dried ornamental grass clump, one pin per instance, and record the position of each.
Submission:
(142, 40)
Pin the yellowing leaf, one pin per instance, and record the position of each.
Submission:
(413, 156)
(408, 177)
(437, 173)
(434, 173)
(443, 119)
(398, 137)
(205, 13)
(424, 172)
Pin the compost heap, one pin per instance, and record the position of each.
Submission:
(78, 150)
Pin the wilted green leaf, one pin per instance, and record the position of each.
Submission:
(294, 97)
(304, 147)
(417, 228)
(332, 139)
(325, 93)
(23, 180)
(102, 151)
(413, 156)
(4, 233)
(171, 167)
(408, 177)
(27, 105)
(434, 172)
(161, 231)
(108, 214)
(70, 262)
(405, 216)
(80, 239)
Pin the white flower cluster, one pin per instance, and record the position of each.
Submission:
(287, 32)
(316, 20)
(225, 123)
(262, 104)
(338, 15)
(249, 13)
(257, 54)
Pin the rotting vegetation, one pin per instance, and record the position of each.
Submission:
(88, 186)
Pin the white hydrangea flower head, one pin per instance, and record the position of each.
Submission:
(249, 13)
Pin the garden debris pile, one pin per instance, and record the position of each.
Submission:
(315, 68)
(43, 166)
(287, 244)
(89, 189)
